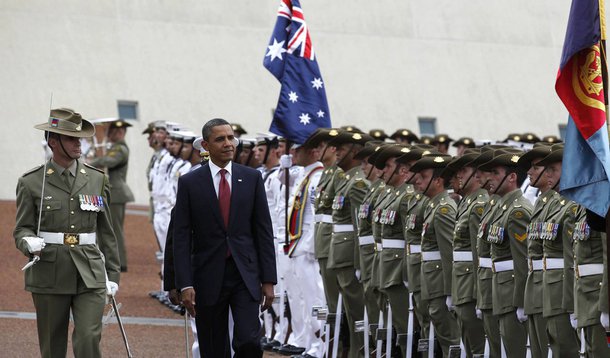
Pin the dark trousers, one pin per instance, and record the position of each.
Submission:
(212, 321)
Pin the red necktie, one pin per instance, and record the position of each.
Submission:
(224, 197)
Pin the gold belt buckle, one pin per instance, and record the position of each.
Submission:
(544, 263)
(576, 271)
(493, 267)
(71, 239)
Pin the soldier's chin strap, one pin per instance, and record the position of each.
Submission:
(555, 186)
(408, 181)
(368, 175)
(429, 183)
(538, 179)
(502, 182)
(468, 180)
(345, 156)
(61, 144)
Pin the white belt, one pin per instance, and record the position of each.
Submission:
(500, 266)
(323, 218)
(68, 238)
(393, 244)
(553, 264)
(343, 228)
(536, 265)
(366, 240)
(413, 249)
(485, 262)
(430, 255)
(589, 269)
(378, 246)
(462, 256)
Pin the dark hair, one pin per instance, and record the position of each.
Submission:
(48, 135)
(207, 128)
(521, 174)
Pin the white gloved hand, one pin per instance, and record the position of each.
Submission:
(111, 288)
(449, 303)
(604, 319)
(35, 244)
(479, 313)
(573, 320)
(286, 161)
(358, 275)
(521, 316)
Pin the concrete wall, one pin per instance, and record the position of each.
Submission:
(482, 68)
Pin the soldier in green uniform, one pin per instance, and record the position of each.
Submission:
(465, 259)
(343, 257)
(392, 238)
(116, 160)
(491, 324)
(325, 193)
(366, 241)
(436, 246)
(546, 204)
(63, 224)
(507, 233)
(556, 232)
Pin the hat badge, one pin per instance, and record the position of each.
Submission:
(333, 133)
(405, 132)
(426, 152)
(438, 160)
(514, 159)
(405, 150)
(357, 136)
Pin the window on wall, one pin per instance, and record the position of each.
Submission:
(562, 131)
(128, 109)
(427, 126)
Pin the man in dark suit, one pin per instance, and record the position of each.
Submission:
(223, 246)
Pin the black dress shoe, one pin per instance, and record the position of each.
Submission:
(270, 345)
(289, 350)
(304, 355)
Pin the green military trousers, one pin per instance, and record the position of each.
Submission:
(117, 214)
(491, 325)
(471, 328)
(561, 336)
(514, 335)
(536, 330)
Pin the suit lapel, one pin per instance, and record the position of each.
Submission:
(208, 187)
(236, 185)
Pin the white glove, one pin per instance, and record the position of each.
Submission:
(286, 161)
(449, 303)
(573, 320)
(111, 288)
(35, 244)
(521, 316)
(358, 275)
(479, 313)
(603, 318)
(406, 283)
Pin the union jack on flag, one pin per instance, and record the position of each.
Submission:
(290, 57)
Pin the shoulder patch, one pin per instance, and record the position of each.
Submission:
(480, 210)
(94, 168)
(32, 170)
(360, 184)
(444, 210)
(518, 214)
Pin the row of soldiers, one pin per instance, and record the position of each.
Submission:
(396, 229)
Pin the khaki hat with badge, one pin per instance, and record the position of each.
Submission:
(530, 138)
(551, 139)
(431, 161)
(150, 128)
(556, 155)
(372, 159)
(503, 158)
(426, 140)
(465, 141)
(442, 139)
(540, 150)
(404, 133)
(66, 122)
(390, 151)
(369, 148)
(317, 137)
(237, 128)
(466, 159)
(346, 137)
(351, 128)
(378, 134)
(415, 153)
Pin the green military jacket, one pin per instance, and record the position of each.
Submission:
(350, 190)
(507, 234)
(464, 276)
(546, 205)
(365, 228)
(116, 160)
(80, 209)
(325, 194)
(382, 201)
(392, 228)
(485, 274)
(413, 219)
(556, 235)
(589, 249)
(437, 236)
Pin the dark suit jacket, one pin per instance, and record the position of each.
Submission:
(201, 238)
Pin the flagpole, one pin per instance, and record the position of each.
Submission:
(604, 69)
(287, 197)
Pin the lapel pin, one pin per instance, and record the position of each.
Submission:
(50, 171)
(82, 171)
(48, 197)
(239, 180)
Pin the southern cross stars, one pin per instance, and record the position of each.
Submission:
(320, 114)
(304, 118)
(276, 50)
(292, 96)
(317, 83)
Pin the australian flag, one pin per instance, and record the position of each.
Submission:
(302, 106)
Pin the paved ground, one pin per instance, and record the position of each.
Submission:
(152, 329)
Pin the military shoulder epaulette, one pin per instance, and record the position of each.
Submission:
(94, 168)
(32, 170)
